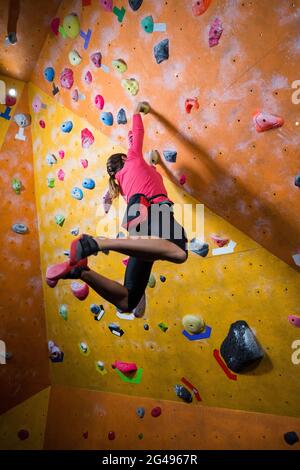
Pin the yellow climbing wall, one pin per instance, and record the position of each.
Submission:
(29, 416)
(251, 284)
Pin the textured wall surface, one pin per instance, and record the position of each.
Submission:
(22, 319)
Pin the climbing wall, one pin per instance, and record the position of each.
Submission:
(244, 176)
(211, 287)
(22, 315)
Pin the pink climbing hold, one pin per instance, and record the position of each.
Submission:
(125, 261)
(84, 162)
(182, 180)
(23, 434)
(107, 5)
(42, 124)
(10, 100)
(67, 78)
(111, 435)
(219, 241)
(75, 95)
(88, 78)
(54, 25)
(191, 103)
(155, 412)
(125, 367)
(85, 435)
(61, 154)
(215, 32)
(87, 138)
(99, 102)
(37, 105)
(96, 58)
(200, 7)
(81, 291)
(294, 320)
(266, 121)
(61, 175)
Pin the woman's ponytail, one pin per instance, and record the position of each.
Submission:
(114, 189)
(114, 164)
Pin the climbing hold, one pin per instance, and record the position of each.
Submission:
(81, 291)
(96, 58)
(154, 157)
(61, 154)
(240, 347)
(297, 181)
(183, 393)
(95, 309)
(170, 155)
(215, 32)
(266, 121)
(107, 118)
(99, 102)
(119, 65)
(67, 253)
(192, 388)
(70, 27)
(16, 185)
(77, 193)
(88, 183)
(151, 281)
(51, 159)
(63, 311)
(199, 247)
(20, 228)
(37, 105)
(84, 162)
(115, 329)
(49, 74)
(196, 337)
(125, 261)
(85, 434)
(182, 180)
(162, 278)
(107, 5)
(106, 201)
(121, 116)
(139, 310)
(88, 78)
(8, 355)
(42, 124)
(140, 412)
(50, 182)
(294, 320)
(54, 25)
(163, 327)
(161, 51)
(131, 85)
(111, 435)
(125, 367)
(135, 4)
(191, 103)
(141, 435)
(155, 412)
(67, 78)
(76, 95)
(219, 241)
(291, 437)
(193, 324)
(120, 13)
(100, 311)
(61, 175)
(74, 58)
(87, 138)
(10, 101)
(148, 24)
(23, 434)
(100, 365)
(55, 354)
(83, 348)
(60, 219)
(66, 126)
(146, 327)
(22, 120)
(200, 6)
(86, 37)
(74, 231)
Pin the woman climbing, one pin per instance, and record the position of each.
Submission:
(153, 231)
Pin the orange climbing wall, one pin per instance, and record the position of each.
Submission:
(22, 320)
(245, 177)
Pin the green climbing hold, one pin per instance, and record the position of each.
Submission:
(50, 182)
(119, 65)
(152, 281)
(119, 12)
(148, 24)
(16, 185)
(60, 219)
(63, 311)
(163, 327)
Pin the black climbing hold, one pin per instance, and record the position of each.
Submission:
(121, 117)
(297, 181)
(163, 278)
(161, 51)
(291, 437)
(199, 248)
(240, 347)
(146, 327)
(170, 155)
(135, 4)
(183, 393)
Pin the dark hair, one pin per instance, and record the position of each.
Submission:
(114, 164)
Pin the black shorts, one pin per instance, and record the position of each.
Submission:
(138, 270)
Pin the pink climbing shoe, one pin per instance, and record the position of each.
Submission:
(266, 121)
(81, 291)
(64, 271)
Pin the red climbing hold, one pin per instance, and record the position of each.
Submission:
(125, 367)
(111, 435)
(23, 434)
(155, 412)
(80, 291)
(85, 435)
(219, 240)
(55, 25)
(125, 261)
(87, 138)
(42, 124)
(266, 121)
(191, 103)
(182, 180)
(200, 7)
(99, 102)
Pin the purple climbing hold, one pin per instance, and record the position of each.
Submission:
(215, 32)
(107, 5)
(135, 4)
(96, 58)
(170, 155)
(161, 51)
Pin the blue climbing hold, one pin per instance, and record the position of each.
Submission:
(77, 193)
(49, 74)
(199, 248)
(66, 126)
(140, 412)
(170, 155)
(95, 309)
(121, 117)
(107, 118)
(135, 4)
(146, 327)
(88, 183)
(162, 278)
(161, 51)
(20, 228)
(297, 181)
